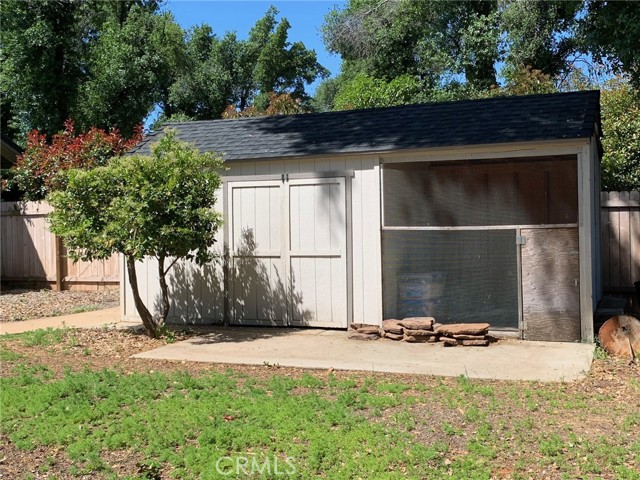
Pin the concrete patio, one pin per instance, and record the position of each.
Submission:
(324, 349)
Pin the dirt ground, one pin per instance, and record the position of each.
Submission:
(18, 304)
(111, 349)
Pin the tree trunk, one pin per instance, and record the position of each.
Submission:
(147, 319)
(165, 291)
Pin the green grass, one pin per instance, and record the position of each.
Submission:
(328, 426)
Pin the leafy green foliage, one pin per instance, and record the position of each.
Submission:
(157, 206)
(540, 35)
(610, 31)
(225, 71)
(96, 62)
(36, 170)
(351, 426)
(367, 92)
(620, 109)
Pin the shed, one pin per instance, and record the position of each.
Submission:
(470, 211)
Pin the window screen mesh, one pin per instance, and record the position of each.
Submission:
(455, 276)
(482, 192)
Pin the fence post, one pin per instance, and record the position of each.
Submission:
(58, 256)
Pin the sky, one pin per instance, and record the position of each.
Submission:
(305, 17)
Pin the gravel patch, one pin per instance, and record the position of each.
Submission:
(16, 305)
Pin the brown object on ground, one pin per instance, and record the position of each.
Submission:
(417, 323)
(449, 342)
(620, 336)
(356, 326)
(392, 326)
(393, 336)
(420, 333)
(463, 329)
(469, 337)
(475, 343)
(363, 336)
(369, 329)
(419, 339)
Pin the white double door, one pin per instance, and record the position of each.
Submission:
(288, 250)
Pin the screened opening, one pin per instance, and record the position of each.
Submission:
(481, 192)
(449, 235)
(454, 276)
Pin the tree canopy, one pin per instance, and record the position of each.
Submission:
(460, 49)
(109, 64)
(158, 205)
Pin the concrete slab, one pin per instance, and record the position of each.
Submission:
(324, 349)
(109, 317)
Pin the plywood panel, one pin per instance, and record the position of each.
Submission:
(550, 290)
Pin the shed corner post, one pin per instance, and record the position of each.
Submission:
(587, 242)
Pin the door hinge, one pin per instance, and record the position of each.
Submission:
(521, 240)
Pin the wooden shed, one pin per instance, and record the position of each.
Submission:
(470, 211)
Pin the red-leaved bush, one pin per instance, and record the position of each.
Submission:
(36, 170)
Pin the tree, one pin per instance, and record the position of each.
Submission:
(433, 41)
(158, 206)
(227, 71)
(36, 172)
(283, 104)
(100, 63)
(611, 31)
(368, 92)
(620, 109)
(541, 35)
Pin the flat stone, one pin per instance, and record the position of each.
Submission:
(417, 323)
(363, 336)
(469, 337)
(475, 343)
(449, 342)
(420, 339)
(420, 333)
(393, 336)
(464, 329)
(356, 326)
(369, 329)
(392, 326)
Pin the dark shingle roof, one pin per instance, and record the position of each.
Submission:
(471, 122)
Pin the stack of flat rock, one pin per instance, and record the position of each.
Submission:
(425, 330)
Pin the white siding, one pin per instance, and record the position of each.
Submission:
(197, 292)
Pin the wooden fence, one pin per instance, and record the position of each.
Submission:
(620, 227)
(33, 256)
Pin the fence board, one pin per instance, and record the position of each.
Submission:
(620, 229)
(29, 252)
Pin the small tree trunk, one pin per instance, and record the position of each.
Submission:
(145, 315)
(165, 291)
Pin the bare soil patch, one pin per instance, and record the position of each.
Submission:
(16, 304)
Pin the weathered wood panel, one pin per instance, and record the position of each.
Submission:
(550, 290)
(28, 254)
(620, 230)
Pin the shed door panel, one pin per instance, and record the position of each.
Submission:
(288, 252)
(257, 273)
(550, 284)
(317, 252)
